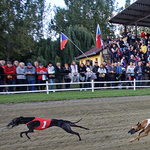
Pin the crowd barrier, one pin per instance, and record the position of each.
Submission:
(117, 85)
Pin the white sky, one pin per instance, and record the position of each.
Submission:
(62, 4)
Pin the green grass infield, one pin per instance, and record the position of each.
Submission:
(16, 98)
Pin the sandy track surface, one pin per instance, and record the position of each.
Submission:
(109, 120)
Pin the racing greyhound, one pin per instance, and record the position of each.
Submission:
(144, 126)
(34, 123)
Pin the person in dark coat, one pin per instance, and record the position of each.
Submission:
(138, 70)
(1, 78)
(67, 77)
(58, 76)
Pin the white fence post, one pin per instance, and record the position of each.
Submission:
(134, 85)
(92, 85)
(47, 87)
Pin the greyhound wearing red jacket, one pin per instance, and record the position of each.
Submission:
(144, 126)
(34, 123)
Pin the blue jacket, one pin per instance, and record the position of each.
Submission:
(119, 69)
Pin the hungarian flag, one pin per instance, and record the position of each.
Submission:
(99, 41)
(63, 41)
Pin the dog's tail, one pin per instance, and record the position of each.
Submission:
(77, 121)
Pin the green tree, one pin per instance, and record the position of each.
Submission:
(86, 13)
(21, 25)
(127, 3)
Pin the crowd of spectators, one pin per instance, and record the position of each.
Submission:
(129, 59)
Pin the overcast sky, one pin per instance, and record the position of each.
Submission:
(62, 4)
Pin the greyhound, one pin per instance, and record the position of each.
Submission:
(144, 126)
(34, 123)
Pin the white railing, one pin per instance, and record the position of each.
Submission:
(118, 85)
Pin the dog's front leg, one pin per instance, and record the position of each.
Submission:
(26, 133)
(138, 137)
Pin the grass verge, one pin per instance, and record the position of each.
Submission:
(13, 98)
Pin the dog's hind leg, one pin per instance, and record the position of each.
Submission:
(74, 125)
(26, 133)
(67, 128)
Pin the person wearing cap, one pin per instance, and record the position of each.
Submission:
(9, 70)
(41, 71)
(30, 74)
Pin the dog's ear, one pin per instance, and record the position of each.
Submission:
(20, 118)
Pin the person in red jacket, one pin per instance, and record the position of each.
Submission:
(10, 69)
(41, 71)
(142, 35)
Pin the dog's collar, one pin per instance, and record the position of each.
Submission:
(148, 122)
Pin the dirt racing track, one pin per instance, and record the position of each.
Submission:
(109, 120)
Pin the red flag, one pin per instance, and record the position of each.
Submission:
(63, 41)
(99, 41)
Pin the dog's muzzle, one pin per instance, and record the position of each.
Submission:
(10, 125)
(132, 131)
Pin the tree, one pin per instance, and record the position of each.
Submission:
(21, 25)
(127, 3)
(86, 13)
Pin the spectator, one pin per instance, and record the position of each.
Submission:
(143, 59)
(82, 71)
(121, 44)
(126, 54)
(126, 45)
(123, 62)
(129, 35)
(95, 70)
(10, 69)
(21, 78)
(119, 71)
(142, 35)
(89, 73)
(147, 34)
(41, 71)
(143, 49)
(3, 63)
(1, 78)
(67, 77)
(137, 58)
(133, 37)
(148, 52)
(101, 75)
(131, 59)
(16, 63)
(138, 70)
(146, 73)
(31, 78)
(58, 76)
(119, 54)
(148, 58)
(74, 72)
(36, 64)
(130, 71)
(51, 76)
(112, 73)
(114, 53)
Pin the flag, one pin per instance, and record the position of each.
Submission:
(63, 41)
(99, 41)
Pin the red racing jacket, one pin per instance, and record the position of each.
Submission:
(44, 123)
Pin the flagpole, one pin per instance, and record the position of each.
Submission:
(78, 48)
